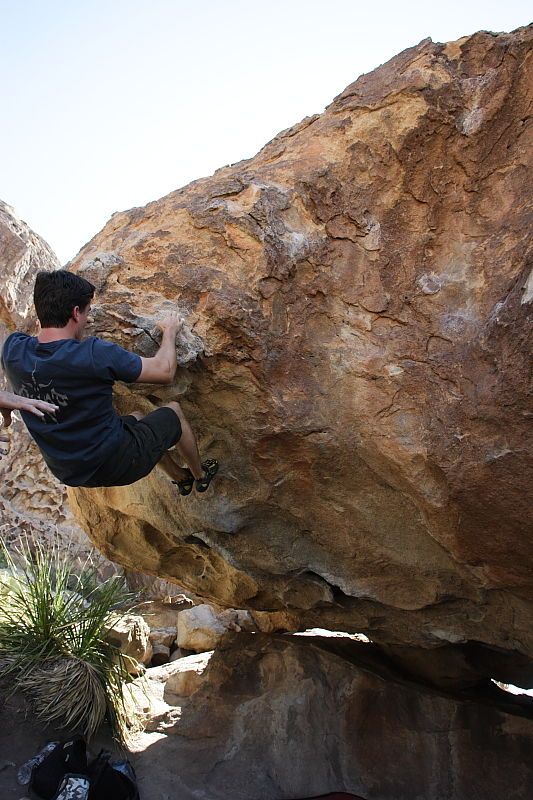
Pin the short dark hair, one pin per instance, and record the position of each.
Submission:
(57, 293)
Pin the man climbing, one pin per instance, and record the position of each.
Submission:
(84, 441)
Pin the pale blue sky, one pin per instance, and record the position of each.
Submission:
(108, 104)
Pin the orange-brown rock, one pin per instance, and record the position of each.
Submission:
(357, 299)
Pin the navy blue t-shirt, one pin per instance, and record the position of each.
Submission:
(78, 377)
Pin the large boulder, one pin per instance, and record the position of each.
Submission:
(357, 299)
(270, 718)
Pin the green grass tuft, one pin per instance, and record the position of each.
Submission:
(53, 646)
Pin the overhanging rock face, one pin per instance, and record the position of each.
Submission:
(355, 355)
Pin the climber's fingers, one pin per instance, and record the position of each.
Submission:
(13, 402)
(37, 407)
(172, 321)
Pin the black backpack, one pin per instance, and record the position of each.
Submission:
(67, 757)
(65, 775)
(112, 780)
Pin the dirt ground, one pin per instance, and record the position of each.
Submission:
(21, 738)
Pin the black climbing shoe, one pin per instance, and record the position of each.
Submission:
(185, 486)
(210, 467)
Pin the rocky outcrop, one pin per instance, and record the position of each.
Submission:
(269, 718)
(22, 254)
(180, 628)
(357, 299)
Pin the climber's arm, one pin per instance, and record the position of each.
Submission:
(161, 368)
(13, 402)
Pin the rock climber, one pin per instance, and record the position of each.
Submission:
(82, 439)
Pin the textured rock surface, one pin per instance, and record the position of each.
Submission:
(284, 719)
(185, 677)
(160, 655)
(131, 635)
(357, 298)
(163, 615)
(274, 718)
(32, 502)
(164, 636)
(199, 629)
(22, 254)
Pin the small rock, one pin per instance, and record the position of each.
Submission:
(164, 636)
(199, 629)
(430, 283)
(178, 600)
(130, 634)
(274, 621)
(237, 620)
(158, 614)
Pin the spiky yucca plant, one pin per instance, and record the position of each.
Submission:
(53, 644)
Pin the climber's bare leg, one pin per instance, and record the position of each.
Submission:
(187, 446)
(174, 472)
